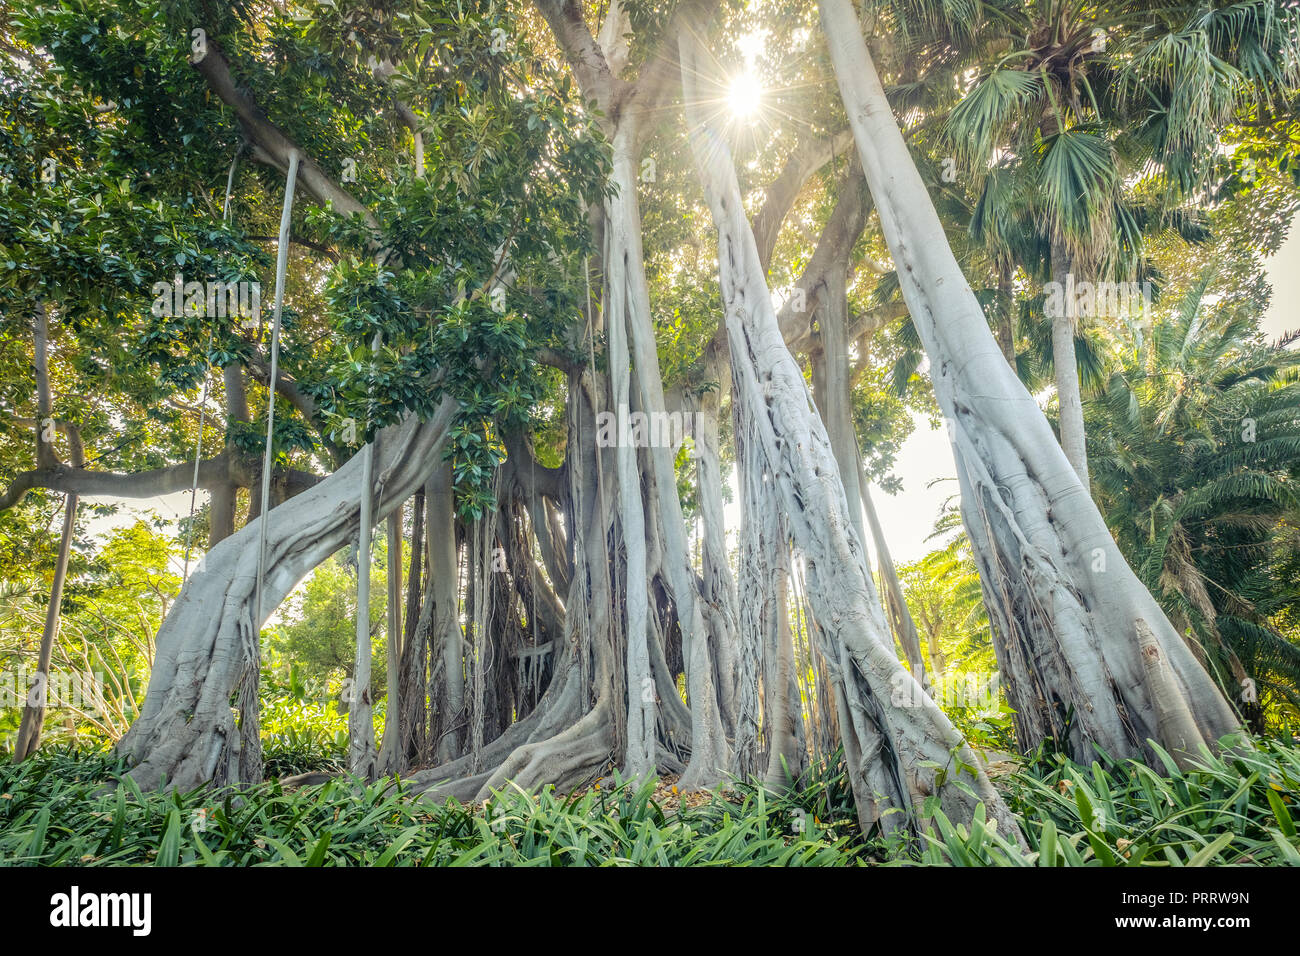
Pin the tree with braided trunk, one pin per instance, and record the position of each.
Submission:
(495, 203)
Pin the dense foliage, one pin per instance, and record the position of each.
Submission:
(1234, 810)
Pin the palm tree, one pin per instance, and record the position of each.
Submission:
(1082, 99)
(1195, 444)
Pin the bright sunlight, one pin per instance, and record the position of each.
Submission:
(744, 96)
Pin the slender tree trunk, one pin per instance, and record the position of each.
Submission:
(447, 640)
(1066, 609)
(390, 751)
(417, 623)
(33, 721)
(895, 602)
(1069, 396)
(361, 724)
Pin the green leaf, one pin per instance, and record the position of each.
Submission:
(1047, 845)
(169, 848)
(1208, 853)
(1282, 814)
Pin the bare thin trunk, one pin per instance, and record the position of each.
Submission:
(895, 602)
(361, 724)
(390, 750)
(1065, 364)
(33, 721)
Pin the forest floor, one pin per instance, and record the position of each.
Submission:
(56, 810)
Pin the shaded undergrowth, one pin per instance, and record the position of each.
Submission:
(56, 809)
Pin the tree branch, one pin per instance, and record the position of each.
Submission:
(260, 369)
(272, 146)
(808, 157)
(833, 249)
(214, 472)
(584, 55)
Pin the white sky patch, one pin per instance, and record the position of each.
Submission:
(1283, 272)
(752, 45)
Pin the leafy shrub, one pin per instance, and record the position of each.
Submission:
(55, 809)
(301, 736)
(1231, 809)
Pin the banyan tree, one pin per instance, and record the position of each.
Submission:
(471, 339)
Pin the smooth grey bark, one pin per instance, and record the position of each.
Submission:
(361, 725)
(898, 753)
(900, 616)
(446, 641)
(620, 232)
(390, 749)
(33, 719)
(1066, 609)
(185, 734)
(1065, 367)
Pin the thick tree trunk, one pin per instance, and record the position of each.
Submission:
(710, 756)
(1066, 608)
(185, 734)
(621, 232)
(897, 754)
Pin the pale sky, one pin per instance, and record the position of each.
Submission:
(906, 518)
